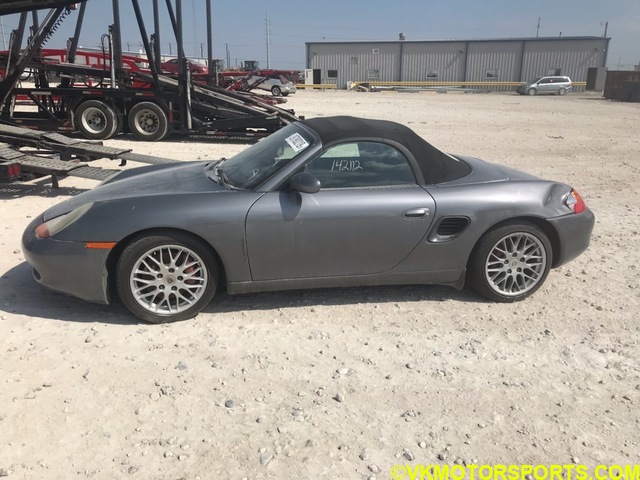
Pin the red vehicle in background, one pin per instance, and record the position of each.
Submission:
(172, 66)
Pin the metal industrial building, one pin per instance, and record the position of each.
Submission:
(487, 61)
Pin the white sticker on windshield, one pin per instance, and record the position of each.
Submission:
(297, 142)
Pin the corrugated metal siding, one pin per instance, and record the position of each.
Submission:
(419, 58)
(353, 62)
(457, 60)
(503, 57)
(572, 57)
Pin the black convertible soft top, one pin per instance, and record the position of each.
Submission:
(436, 166)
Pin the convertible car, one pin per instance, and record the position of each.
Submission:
(324, 202)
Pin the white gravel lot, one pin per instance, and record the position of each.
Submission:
(86, 391)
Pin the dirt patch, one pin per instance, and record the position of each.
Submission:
(342, 383)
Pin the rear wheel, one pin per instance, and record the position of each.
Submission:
(148, 122)
(510, 262)
(166, 278)
(96, 120)
(562, 91)
(276, 91)
(532, 91)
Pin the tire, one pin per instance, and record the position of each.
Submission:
(532, 91)
(120, 120)
(276, 91)
(148, 122)
(510, 262)
(96, 120)
(562, 91)
(166, 277)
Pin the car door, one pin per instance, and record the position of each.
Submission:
(545, 85)
(368, 216)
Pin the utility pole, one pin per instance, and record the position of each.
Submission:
(226, 46)
(268, 31)
(213, 71)
(606, 25)
(538, 29)
(4, 42)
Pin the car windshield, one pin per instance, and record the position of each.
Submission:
(251, 167)
(535, 80)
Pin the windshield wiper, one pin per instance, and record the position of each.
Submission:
(221, 175)
(217, 170)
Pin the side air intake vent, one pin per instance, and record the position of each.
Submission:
(449, 228)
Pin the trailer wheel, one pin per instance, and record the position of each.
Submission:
(148, 122)
(96, 120)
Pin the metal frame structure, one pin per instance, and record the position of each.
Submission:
(102, 100)
(107, 93)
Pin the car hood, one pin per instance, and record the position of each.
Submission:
(173, 179)
(485, 172)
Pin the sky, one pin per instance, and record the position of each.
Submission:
(241, 27)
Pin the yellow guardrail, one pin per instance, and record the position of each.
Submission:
(443, 84)
(316, 85)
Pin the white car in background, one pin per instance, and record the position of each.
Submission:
(551, 85)
(278, 85)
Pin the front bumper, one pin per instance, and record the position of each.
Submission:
(574, 235)
(67, 267)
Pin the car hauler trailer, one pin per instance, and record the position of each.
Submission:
(100, 94)
(104, 94)
(26, 153)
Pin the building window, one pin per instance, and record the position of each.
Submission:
(433, 73)
(354, 60)
(332, 73)
(373, 74)
(376, 51)
(492, 73)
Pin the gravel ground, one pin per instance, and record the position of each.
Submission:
(345, 383)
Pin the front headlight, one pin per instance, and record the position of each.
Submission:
(57, 224)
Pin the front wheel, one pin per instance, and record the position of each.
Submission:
(276, 91)
(166, 278)
(148, 122)
(510, 262)
(532, 91)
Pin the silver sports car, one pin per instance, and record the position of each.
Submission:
(325, 202)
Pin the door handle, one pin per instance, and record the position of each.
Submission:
(416, 213)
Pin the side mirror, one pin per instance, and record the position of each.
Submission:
(304, 182)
